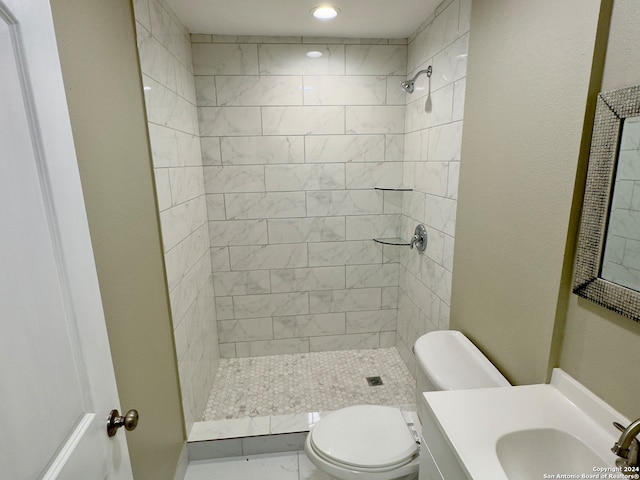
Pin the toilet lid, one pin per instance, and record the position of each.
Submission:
(370, 436)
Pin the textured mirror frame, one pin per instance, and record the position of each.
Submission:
(611, 110)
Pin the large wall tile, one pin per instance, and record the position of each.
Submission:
(265, 205)
(450, 63)
(368, 227)
(375, 321)
(262, 150)
(432, 177)
(345, 342)
(431, 160)
(390, 298)
(181, 258)
(459, 90)
(441, 213)
(302, 120)
(234, 179)
(220, 259)
(221, 59)
(371, 175)
(375, 119)
(206, 91)
(441, 32)
(210, 147)
(186, 184)
(275, 304)
(224, 308)
(361, 276)
(167, 108)
(296, 145)
(229, 121)
(186, 291)
(163, 188)
(272, 347)
(155, 60)
(309, 325)
(344, 253)
(300, 230)
(306, 279)
(445, 142)
(245, 330)
(376, 60)
(293, 60)
(344, 148)
(268, 257)
(350, 300)
(394, 148)
(290, 178)
(259, 90)
(344, 202)
(182, 220)
(215, 206)
(241, 283)
(345, 90)
(395, 93)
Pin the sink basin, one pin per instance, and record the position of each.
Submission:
(529, 454)
(561, 430)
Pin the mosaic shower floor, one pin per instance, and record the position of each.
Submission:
(308, 382)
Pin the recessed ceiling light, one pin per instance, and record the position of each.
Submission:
(325, 12)
(314, 54)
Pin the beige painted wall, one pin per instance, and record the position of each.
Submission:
(100, 66)
(528, 83)
(600, 347)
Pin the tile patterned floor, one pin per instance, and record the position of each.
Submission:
(308, 382)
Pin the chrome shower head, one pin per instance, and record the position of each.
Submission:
(410, 85)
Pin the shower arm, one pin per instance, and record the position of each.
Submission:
(408, 85)
(428, 71)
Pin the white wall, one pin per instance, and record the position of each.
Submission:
(431, 166)
(293, 148)
(165, 57)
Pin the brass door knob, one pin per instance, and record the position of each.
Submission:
(115, 421)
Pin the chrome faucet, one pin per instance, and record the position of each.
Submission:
(627, 445)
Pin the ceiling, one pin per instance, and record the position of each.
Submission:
(357, 18)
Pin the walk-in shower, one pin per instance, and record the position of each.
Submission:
(275, 171)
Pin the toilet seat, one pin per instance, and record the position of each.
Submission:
(364, 438)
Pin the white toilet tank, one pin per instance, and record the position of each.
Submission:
(449, 361)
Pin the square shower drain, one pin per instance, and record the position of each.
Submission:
(374, 381)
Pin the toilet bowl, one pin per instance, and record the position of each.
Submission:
(374, 442)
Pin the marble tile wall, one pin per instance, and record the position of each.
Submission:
(431, 164)
(293, 147)
(622, 251)
(165, 57)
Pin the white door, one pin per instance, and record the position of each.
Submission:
(56, 377)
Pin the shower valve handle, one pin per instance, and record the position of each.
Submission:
(419, 238)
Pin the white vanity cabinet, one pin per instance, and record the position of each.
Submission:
(437, 459)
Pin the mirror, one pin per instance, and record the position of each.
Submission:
(621, 257)
(608, 255)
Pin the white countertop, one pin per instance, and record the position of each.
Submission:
(472, 421)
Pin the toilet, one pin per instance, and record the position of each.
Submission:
(375, 442)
